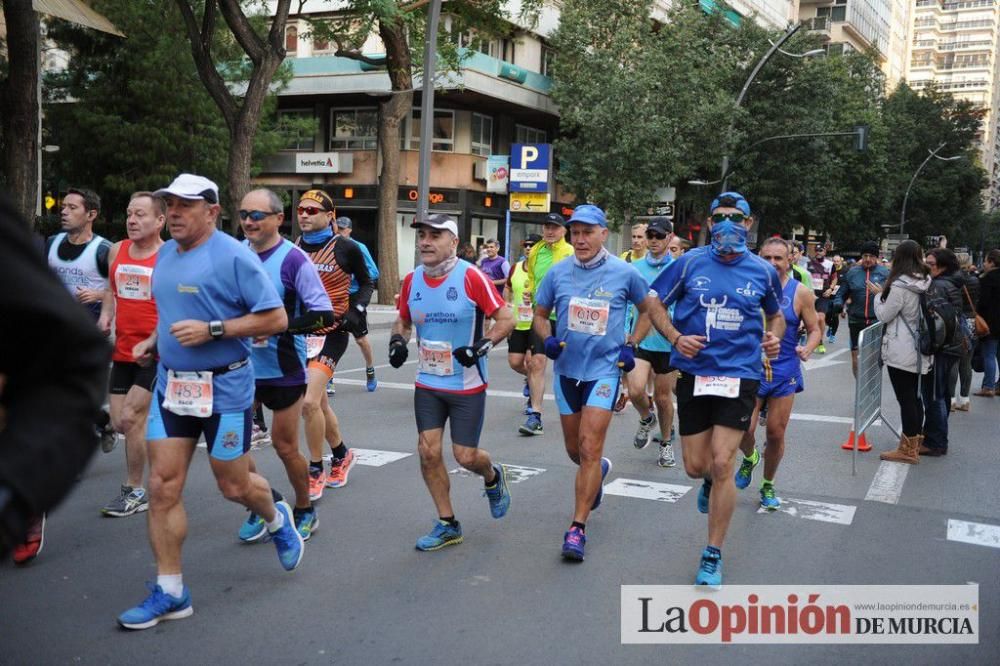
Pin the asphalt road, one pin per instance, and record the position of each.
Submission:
(364, 595)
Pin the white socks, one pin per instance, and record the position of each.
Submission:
(172, 584)
(279, 521)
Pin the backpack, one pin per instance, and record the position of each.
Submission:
(938, 322)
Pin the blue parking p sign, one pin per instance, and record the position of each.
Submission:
(529, 167)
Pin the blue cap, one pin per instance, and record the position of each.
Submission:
(588, 214)
(730, 200)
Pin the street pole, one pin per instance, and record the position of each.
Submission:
(775, 47)
(933, 155)
(427, 110)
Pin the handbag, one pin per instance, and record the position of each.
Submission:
(982, 328)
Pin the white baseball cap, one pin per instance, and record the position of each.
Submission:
(190, 186)
(438, 221)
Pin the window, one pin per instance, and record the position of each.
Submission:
(319, 44)
(444, 131)
(482, 134)
(353, 129)
(548, 56)
(291, 39)
(299, 127)
(525, 134)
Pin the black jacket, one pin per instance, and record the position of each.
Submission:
(950, 286)
(989, 300)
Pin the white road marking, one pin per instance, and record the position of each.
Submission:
(841, 514)
(515, 473)
(824, 360)
(373, 458)
(978, 534)
(651, 490)
(887, 485)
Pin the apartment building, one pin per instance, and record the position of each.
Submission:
(954, 48)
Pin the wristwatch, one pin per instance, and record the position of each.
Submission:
(216, 329)
(359, 307)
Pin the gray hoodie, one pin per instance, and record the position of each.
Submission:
(900, 313)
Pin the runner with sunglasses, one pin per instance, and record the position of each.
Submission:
(717, 334)
(338, 259)
(279, 361)
(522, 342)
(653, 354)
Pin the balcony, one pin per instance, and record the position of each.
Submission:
(817, 24)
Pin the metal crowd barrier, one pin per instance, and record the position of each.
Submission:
(868, 387)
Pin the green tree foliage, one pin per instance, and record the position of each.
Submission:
(130, 114)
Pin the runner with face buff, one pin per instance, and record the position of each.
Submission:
(717, 333)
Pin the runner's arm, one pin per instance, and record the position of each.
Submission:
(108, 301)
(652, 313)
(811, 319)
(262, 324)
(355, 261)
(311, 321)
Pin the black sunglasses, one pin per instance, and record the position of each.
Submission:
(734, 217)
(650, 235)
(256, 215)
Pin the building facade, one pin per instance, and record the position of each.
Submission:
(954, 48)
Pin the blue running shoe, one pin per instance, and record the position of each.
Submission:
(527, 407)
(287, 539)
(442, 535)
(703, 494)
(526, 392)
(745, 472)
(768, 499)
(306, 522)
(254, 529)
(605, 470)
(156, 607)
(499, 494)
(710, 570)
(371, 384)
(533, 426)
(573, 543)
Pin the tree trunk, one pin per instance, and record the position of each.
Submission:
(393, 111)
(19, 108)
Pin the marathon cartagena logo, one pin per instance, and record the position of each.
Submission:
(846, 614)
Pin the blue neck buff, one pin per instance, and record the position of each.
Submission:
(653, 261)
(729, 238)
(317, 237)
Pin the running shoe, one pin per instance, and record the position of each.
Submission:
(526, 391)
(641, 440)
(666, 457)
(371, 384)
(745, 472)
(156, 607)
(499, 494)
(330, 388)
(710, 570)
(33, 542)
(703, 494)
(820, 349)
(109, 438)
(573, 542)
(831, 338)
(533, 426)
(130, 500)
(317, 482)
(306, 522)
(443, 534)
(605, 470)
(762, 419)
(259, 437)
(768, 499)
(339, 469)
(253, 529)
(622, 402)
(287, 539)
(527, 407)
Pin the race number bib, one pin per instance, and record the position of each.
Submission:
(134, 282)
(524, 314)
(189, 393)
(314, 345)
(724, 387)
(435, 358)
(588, 315)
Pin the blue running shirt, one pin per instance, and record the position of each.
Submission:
(721, 301)
(654, 342)
(787, 365)
(219, 279)
(596, 300)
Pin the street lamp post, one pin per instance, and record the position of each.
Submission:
(427, 110)
(933, 155)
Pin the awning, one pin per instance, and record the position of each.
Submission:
(76, 11)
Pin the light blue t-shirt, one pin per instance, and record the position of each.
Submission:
(721, 301)
(369, 264)
(599, 298)
(220, 279)
(649, 271)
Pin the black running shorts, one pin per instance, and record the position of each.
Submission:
(465, 411)
(698, 414)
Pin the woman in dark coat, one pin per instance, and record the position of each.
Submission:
(989, 309)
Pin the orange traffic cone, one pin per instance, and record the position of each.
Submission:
(863, 444)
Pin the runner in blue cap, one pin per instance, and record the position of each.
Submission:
(590, 295)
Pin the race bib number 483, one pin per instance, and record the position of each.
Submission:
(189, 393)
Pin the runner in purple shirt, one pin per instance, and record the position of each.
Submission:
(493, 265)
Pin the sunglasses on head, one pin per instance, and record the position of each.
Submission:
(255, 215)
(650, 235)
(733, 217)
(308, 210)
